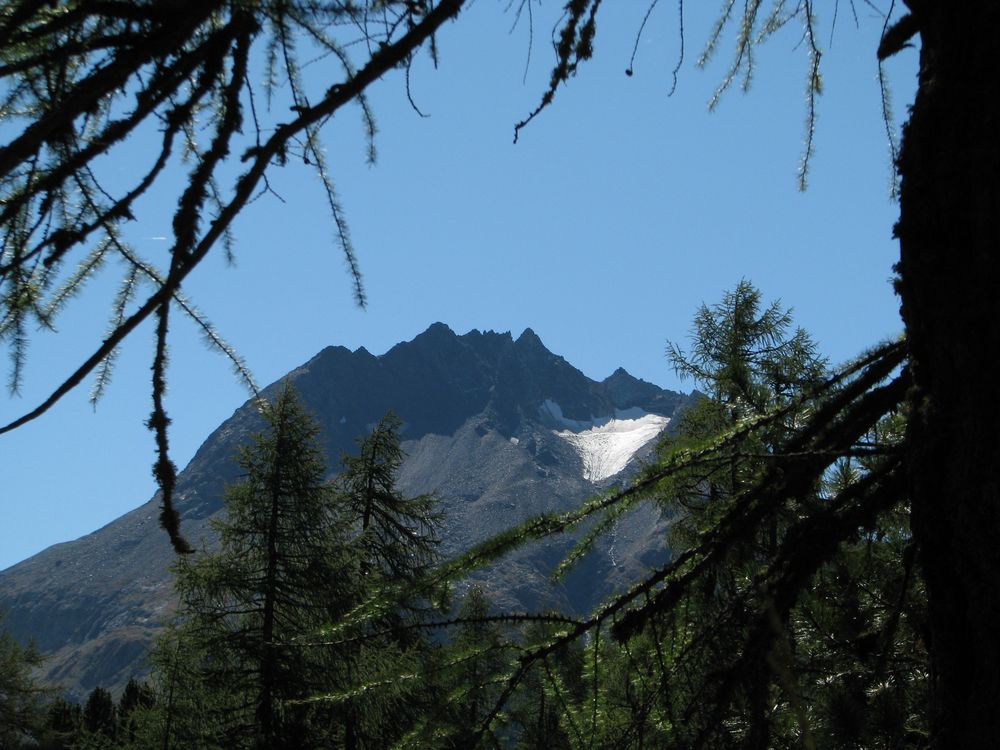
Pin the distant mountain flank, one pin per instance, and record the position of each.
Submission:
(498, 428)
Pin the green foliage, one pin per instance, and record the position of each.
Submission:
(136, 698)
(542, 710)
(99, 714)
(21, 709)
(275, 644)
(861, 624)
(751, 364)
(790, 612)
(392, 544)
(477, 660)
(745, 356)
(280, 573)
(63, 725)
(762, 640)
(462, 681)
(188, 709)
(396, 541)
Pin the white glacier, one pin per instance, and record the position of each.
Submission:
(606, 448)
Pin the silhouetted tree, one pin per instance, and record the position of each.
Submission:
(136, 695)
(478, 658)
(397, 539)
(844, 624)
(393, 545)
(99, 713)
(21, 708)
(63, 724)
(279, 576)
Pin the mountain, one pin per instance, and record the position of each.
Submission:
(499, 428)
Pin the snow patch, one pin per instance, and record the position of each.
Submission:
(606, 448)
(514, 441)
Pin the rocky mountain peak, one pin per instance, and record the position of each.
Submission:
(498, 428)
(529, 339)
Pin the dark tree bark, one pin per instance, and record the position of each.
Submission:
(949, 283)
(269, 667)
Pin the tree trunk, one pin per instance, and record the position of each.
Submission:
(267, 696)
(949, 283)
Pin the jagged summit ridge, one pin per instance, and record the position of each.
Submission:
(439, 378)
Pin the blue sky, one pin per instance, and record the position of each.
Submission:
(618, 213)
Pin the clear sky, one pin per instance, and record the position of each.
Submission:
(619, 212)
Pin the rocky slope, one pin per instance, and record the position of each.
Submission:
(499, 428)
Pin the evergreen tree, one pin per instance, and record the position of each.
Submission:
(279, 576)
(716, 677)
(791, 601)
(99, 714)
(136, 696)
(862, 622)
(396, 540)
(750, 362)
(21, 709)
(297, 632)
(478, 658)
(479, 646)
(542, 710)
(190, 710)
(724, 663)
(393, 545)
(746, 356)
(63, 724)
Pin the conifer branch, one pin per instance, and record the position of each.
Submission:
(192, 252)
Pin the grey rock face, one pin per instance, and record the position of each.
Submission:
(476, 434)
